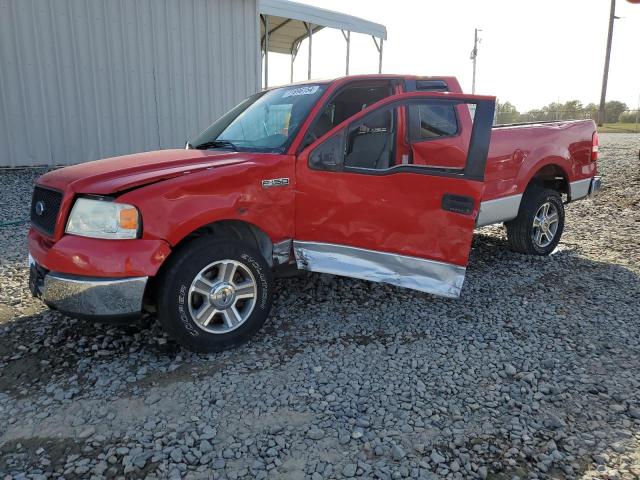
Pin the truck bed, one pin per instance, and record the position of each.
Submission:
(517, 149)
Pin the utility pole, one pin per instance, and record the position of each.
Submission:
(605, 75)
(637, 112)
(474, 55)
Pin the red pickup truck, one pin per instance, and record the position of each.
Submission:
(377, 177)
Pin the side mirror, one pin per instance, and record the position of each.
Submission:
(329, 155)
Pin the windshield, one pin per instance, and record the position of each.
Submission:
(265, 122)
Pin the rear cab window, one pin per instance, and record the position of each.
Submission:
(428, 122)
(436, 131)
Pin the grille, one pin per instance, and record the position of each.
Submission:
(46, 220)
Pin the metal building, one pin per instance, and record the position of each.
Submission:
(88, 79)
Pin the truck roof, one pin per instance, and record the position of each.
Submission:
(450, 80)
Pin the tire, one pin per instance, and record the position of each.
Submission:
(524, 236)
(229, 272)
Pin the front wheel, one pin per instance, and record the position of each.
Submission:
(214, 294)
(539, 225)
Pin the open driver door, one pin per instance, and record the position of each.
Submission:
(369, 206)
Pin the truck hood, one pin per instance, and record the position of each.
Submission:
(113, 175)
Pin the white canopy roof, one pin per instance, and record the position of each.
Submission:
(288, 21)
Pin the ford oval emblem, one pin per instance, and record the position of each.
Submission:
(40, 208)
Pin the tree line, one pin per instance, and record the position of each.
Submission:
(615, 112)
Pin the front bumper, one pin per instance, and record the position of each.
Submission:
(87, 297)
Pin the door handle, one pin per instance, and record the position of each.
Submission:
(457, 203)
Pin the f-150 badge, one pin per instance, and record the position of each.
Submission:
(275, 182)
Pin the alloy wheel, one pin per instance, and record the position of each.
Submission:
(545, 224)
(222, 296)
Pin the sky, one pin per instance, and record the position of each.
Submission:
(533, 52)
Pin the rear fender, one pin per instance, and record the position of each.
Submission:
(540, 158)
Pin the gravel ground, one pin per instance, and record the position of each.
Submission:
(533, 373)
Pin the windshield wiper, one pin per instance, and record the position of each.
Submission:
(217, 144)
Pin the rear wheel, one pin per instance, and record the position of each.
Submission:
(215, 294)
(540, 222)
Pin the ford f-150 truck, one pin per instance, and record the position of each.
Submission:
(377, 177)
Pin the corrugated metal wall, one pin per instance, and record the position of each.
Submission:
(87, 79)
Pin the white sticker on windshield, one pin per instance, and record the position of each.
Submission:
(294, 92)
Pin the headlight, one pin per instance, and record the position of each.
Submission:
(103, 219)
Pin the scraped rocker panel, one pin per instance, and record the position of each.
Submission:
(410, 272)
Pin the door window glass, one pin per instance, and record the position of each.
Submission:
(379, 143)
